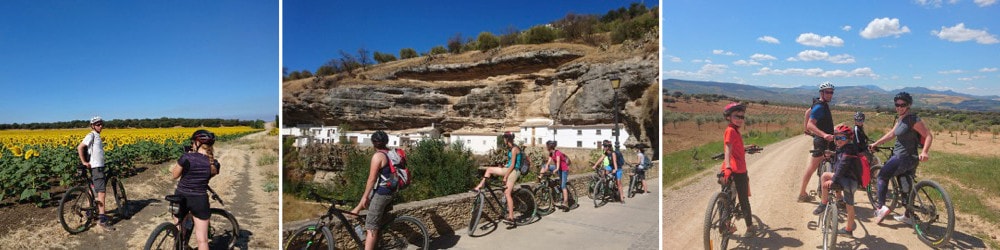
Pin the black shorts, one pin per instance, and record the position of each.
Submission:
(820, 144)
(197, 205)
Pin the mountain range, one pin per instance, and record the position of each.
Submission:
(864, 95)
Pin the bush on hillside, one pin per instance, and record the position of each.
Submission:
(383, 57)
(575, 26)
(487, 41)
(295, 75)
(407, 53)
(539, 34)
(510, 36)
(455, 44)
(306, 74)
(634, 28)
(437, 50)
(326, 70)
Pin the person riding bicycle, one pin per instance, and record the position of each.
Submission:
(558, 162)
(376, 197)
(93, 159)
(805, 120)
(613, 162)
(510, 172)
(907, 132)
(820, 125)
(194, 169)
(643, 164)
(734, 164)
(846, 175)
(860, 137)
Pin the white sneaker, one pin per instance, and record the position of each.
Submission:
(903, 219)
(880, 214)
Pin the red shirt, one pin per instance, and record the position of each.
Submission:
(737, 153)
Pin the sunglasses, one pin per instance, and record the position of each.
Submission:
(901, 105)
(840, 138)
(828, 92)
(741, 117)
(99, 124)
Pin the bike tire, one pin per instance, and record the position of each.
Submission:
(599, 194)
(632, 189)
(892, 197)
(829, 225)
(121, 198)
(592, 188)
(163, 237)
(546, 205)
(926, 212)
(311, 237)
(404, 232)
(714, 236)
(524, 206)
(571, 191)
(477, 212)
(76, 209)
(224, 230)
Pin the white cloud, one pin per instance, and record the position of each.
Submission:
(791, 59)
(929, 3)
(674, 59)
(970, 78)
(883, 27)
(953, 1)
(814, 40)
(701, 61)
(723, 52)
(984, 3)
(762, 57)
(959, 33)
(816, 55)
(988, 70)
(818, 72)
(918, 77)
(948, 72)
(768, 39)
(746, 63)
(713, 69)
(846, 28)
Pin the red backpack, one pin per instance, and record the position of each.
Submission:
(866, 175)
(399, 178)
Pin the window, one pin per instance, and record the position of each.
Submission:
(579, 132)
(555, 132)
(598, 132)
(468, 142)
(579, 144)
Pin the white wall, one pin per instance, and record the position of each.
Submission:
(478, 144)
(590, 137)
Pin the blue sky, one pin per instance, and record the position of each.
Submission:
(891, 44)
(315, 31)
(70, 60)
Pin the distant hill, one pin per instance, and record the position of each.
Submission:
(864, 96)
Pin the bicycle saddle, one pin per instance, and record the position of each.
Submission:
(173, 198)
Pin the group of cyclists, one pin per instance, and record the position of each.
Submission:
(845, 144)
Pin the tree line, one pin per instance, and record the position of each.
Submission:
(623, 24)
(162, 122)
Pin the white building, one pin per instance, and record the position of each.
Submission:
(536, 131)
(306, 133)
(478, 143)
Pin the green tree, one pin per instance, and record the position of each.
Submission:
(295, 75)
(306, 74)
(510, 36)
(384, 57)
(487, 41)
(539, 34)
(437, 50)
(455, 44)
(407, 53)
(576, 26)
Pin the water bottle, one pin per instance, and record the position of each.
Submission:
(360, 231)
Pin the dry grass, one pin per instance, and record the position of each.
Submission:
(295, 209)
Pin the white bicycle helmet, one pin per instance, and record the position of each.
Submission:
(96, 119)
(825, 85)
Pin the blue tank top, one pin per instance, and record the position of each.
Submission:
(384, 173)
(517, 158)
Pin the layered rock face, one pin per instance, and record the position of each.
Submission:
(490, 91)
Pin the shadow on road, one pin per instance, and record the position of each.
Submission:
(767, 237)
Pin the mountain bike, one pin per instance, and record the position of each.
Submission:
(395, 231)
(525, 209)
(830, 217)
(925, 202)
(78, 206)
(826, 165)
(635, 180)
(605, 188)
(223, 230)
(723, 211)
(549, 190)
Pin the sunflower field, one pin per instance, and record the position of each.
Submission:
(32, 161)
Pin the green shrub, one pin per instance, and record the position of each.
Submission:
(384, 57)
(455, 44)
(437, 50)
(634, 28)
(487, 41)
(407, 53)
(539, 34)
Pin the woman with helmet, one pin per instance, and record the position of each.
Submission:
(194, 169)
(613, 162)
(510, 172)
(91, 153)
(376, 197)
(820, 126)
(735, 164)
(558, 162)
(847, 174)
(643, 164)
(908, 132)
(860, 137)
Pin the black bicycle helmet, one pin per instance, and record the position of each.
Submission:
(606, 143)
(903, 96)
(859, 117)
(204, 137)
(508, 135)
(380, 138)
(550, 144)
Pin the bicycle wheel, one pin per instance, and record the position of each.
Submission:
(571, 192)
(892, 197)
(599, 194)
(121, 199)
(716, 232)
(632, 185)
(311, 237)
(524, 206)
(927, 206)
(592, 188)
(829, 225)
(404, 232)
(545, 200)
(223, 230)
(163, 237)
(477, 212)
(76, 210)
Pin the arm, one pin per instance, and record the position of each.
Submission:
(928, 138)
(377, 161)
(545, 167)
(805, 127)
(889, 135)
(79, 152)
(811, 127)
(214, 167)
(599, 160)
(175, 171)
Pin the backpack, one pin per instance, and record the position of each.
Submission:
(621, 159)
(525, 163)
(399, 177)
(645, 162)
(866, 168)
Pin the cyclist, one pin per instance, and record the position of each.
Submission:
(805, 123)
(612, 161)
(558, 162)
(847, 175)
(643, 163)
(376, 196)
(907, 132)
(860, 137)
(734, 164)
(195, 168)
(93, 159)
(820, 125)
(509, 171)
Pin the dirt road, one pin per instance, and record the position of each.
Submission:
(240, 184)
(775, 176)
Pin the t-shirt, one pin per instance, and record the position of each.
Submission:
(95, 146)
(907, 138)
(737, 152)
(848, 164)
(824, 120)
(561, 160)
(195, 172)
